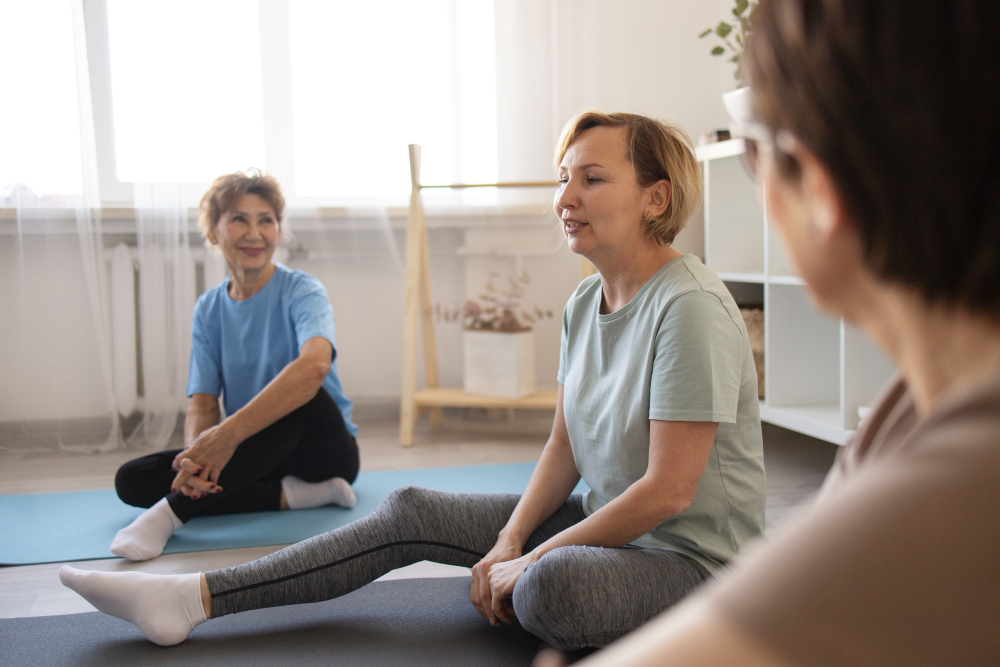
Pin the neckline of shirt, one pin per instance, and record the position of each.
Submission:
(607, 318)
(278, 266)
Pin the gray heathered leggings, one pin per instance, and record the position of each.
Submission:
(572, 597)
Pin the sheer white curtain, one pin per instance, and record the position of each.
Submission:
(50, 177)
(95, 303)
(166, 271)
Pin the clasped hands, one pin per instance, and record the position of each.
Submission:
(494, 578)
(200, 464)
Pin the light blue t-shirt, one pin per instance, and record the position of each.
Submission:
(238, 347)
(678, 351)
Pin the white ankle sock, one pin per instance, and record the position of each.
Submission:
(145, 537)
(303, 495)
(166, 607)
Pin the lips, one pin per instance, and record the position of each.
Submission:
(573, 226)
(253, 252)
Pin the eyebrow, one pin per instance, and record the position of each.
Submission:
(586, 166)
(244, 213)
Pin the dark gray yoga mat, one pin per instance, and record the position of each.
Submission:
(397, 622)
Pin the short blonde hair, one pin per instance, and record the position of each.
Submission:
(226, 190)
(656, 150)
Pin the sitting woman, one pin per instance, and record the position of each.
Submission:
(264, 339)
(892, 217)
(657, 410)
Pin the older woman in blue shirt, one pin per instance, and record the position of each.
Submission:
(263, 339)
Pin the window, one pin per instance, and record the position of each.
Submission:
(40, 146)
(369, 78)
(186, 87)
(324, 94)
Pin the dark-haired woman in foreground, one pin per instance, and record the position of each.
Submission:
(878, 158)
(657, 412)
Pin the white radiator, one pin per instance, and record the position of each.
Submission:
(151, 331)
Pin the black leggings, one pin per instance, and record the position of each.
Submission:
(311, 443)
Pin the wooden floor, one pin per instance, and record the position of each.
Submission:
(795, 465)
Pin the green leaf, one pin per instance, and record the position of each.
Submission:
(706, 33)
(735, 59)
(718, 51)
(741, 6)
(723, 29)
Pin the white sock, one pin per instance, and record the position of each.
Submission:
(303, 495)
(145, 537)
(166, 607)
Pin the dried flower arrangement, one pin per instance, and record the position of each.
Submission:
(495, 309)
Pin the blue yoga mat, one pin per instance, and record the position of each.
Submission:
(56, 527)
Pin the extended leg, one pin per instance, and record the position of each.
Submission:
(576, 597)
(413, 524)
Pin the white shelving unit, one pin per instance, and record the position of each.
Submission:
(817, 370)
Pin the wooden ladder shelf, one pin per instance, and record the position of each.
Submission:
(418, 316)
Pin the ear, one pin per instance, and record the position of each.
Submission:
(658, 199)
(826, 206)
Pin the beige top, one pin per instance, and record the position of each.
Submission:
(898, 561)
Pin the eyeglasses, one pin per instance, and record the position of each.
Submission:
(761, 144)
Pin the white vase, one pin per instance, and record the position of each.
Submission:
(499, 363)
(738, 104)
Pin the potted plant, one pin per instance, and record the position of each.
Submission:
(733, 34)
(499, 341)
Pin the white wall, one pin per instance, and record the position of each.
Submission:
(554, 60)
(48, 345)
(644, 56)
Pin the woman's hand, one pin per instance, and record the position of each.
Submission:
(481, 592)
(200, 464)
(503, 578)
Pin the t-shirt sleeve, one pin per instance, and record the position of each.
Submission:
(698, 362)
(204, 372)
(312, 314)
(899, 567)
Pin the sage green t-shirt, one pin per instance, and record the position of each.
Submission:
(678, 351)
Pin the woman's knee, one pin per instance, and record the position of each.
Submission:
(134, 485)
(547, 602)
(409, 497)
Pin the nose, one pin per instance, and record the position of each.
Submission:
(566, 196)
(253, 231)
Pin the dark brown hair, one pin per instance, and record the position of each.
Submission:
(228, 189)
(900, 101)
(656, 150)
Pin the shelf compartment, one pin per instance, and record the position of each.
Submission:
(802, 350)
(734, 221)
(864, 370)
(819, 420)
(778, 264)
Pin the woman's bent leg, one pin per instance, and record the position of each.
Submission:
(413, 524)
(326, 449)
(576, 597)
(251, 481)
